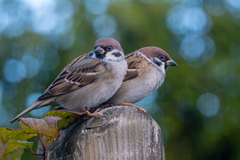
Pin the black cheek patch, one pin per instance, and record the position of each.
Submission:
(117, 54)
(157, 62)
(90, 54)
(100, 56)
(166, 67)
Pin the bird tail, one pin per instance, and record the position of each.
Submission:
(35, 105)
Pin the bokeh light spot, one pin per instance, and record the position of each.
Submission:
(13, 17)
(105, 25)
(149, 103)
(208, 104)
(234, 3)
(52, 20)
(32, 65)
(215, 7)
(225, 72)
(14, 70)
(4, 20)
(196, 50)
(182, 20)
(192, 47)
(96, 6)
(233, 7)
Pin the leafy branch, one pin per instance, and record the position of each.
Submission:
(47, 129)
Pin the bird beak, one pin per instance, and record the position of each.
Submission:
(99, 50)
(171, 63)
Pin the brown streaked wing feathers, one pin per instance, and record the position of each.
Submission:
(78, 73)
(135, 62)
(74, 62)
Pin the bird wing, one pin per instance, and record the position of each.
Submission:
(80, 72)
(136, 65)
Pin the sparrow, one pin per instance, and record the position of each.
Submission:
(146, 72)
(87, 81)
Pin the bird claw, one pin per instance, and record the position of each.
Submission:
(132, 105)
(96, 114)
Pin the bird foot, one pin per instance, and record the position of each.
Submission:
(94, 114)
(132, 105)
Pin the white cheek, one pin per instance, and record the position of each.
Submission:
(163, 66)
(111, 57)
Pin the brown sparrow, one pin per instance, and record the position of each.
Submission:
(88, 80)
(146, 72)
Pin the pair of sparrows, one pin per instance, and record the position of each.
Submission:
(105, 75)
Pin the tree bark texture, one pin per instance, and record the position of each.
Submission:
(126, 134)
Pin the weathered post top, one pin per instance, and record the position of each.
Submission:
(126, 134)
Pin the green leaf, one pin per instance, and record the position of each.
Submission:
(15, 155)
(1, 142)
(13, 149)
(14, 144)
(17, 134)
(47, 141)
(3, 149)
(68, 119)
(46, 126)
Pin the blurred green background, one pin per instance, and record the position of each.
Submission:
(198, 105)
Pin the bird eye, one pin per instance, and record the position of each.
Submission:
(162, 57)
(109, 48)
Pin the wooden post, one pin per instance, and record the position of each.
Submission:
(126, 134)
